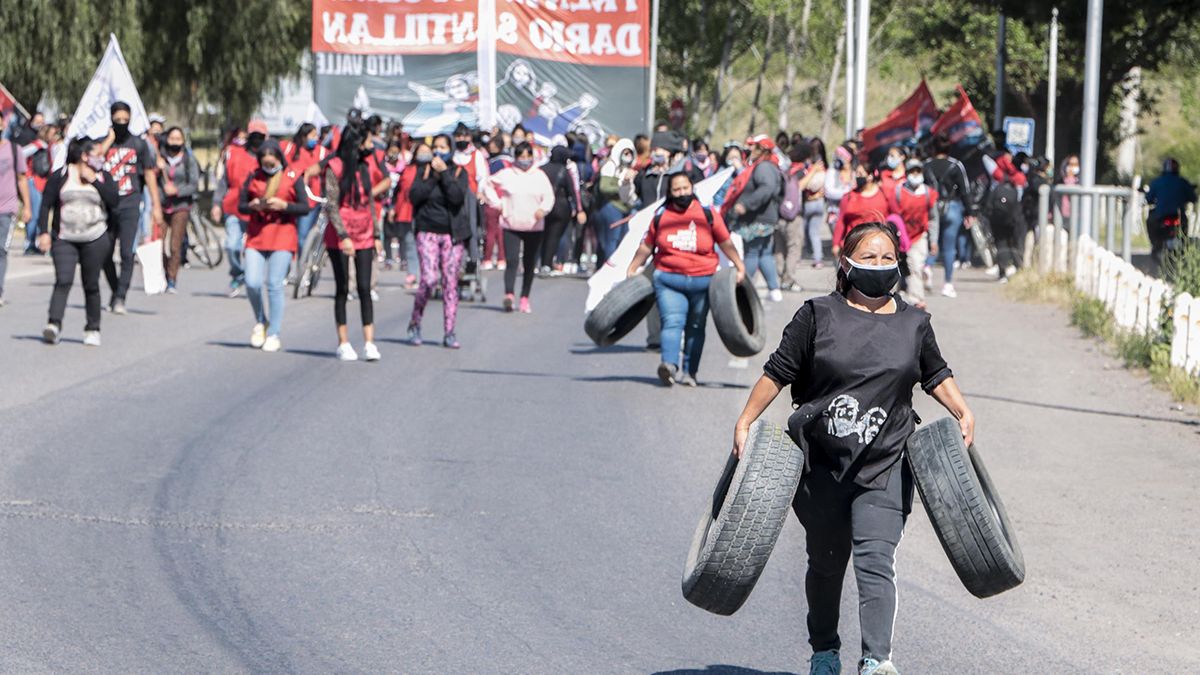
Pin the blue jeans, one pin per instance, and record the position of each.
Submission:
(608, 238)
(234, 229)
(304, 224)
(760, 255)
(270, 267)
(8, 222)
(145, 224)
(951, 227)
(31, 231)
(683, 305)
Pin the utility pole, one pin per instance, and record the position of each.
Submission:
(850, 89)
(998, 115)
(1091, 110)
(860, 62)
(1052, 88)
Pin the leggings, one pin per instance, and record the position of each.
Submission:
(364, 259)
(843, 520)
(438, 253)
(90, 258)
(555, 228)
(513, 241)
(126, 219)
(493, 243)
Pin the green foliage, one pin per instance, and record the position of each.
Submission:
(1091, 317)
(1181, 268)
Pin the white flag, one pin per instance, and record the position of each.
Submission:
(111, 83)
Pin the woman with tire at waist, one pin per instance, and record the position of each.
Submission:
(682, 238)
(853, 417)
(352, 182)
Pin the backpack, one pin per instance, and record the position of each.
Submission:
(1003, 209)
(563, 194)
(793, 198)
(40, 163)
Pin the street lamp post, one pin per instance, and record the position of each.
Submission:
(860, 79)
(1052, 87)
(850, 89)
(1091, 110)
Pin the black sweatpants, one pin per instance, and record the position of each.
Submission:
(90, 259)
(364, 260)
(127, 219)
(844, 519)
(552, 237)
(514, 255)
(1010, 244)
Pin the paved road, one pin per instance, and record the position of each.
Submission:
(177, 502)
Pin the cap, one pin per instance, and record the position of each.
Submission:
(914, 164)
(257, 126)
(461, 129)
(157, 117)
(762, 140)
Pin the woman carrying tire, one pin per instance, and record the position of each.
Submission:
(853, 417)
(682, 238)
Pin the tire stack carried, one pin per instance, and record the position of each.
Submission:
(737, 312)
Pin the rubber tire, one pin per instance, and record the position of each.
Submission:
(965, 509)
(621, 310)
(739, 529)
(737, 312)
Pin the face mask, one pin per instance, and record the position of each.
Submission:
(272, 170)
(445, 156)
(915, 180)
(860, 182)
(893, 162)
(392, 159)
(700, 158)
(659, 160)
(873, 282)
(173, 149)
(461, 146)
(1074, 170)
(1024, 168)
(424, 157)
(97, 163)
(682, 202)
(517, 140)
(523, 164)
(254, 140)
(121, 130)
(310, 143)
(626, 160)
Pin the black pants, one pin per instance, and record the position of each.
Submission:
(364, 258)
(1010, 244)
(90, 258)
(392, 231)
(513, 243)
(844, 519)
(555, 227)
(127, 219)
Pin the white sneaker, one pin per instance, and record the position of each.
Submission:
(50, 334)
(371, 352)
(345, 352)
(374, 295)
(91, 338)
(949, 292)
(272, 344)
(958, 264)
(1010, 270)
(927, 276)
(993, 271)
(258, 335)
(775, 295)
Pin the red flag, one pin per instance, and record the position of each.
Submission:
(960, 123)
(909, 119)
(8, 103)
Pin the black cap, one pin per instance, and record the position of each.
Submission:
(461, 129)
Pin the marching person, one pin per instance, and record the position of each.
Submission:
(524, 196)
(131, 162)
(181, 181)
(300, 153)
(752, 205)
(15, 194)
(617, 196)
(352, 182)
(853, 418)
(238, 161)
(916, 204)
(683, 238)
(273, 199)
(73, 226)
(955, 209)
(439, 197)
(866, 203)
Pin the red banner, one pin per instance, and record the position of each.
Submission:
(584, 32)
(8, 103)
(960, 121)
(391, 27)
(905, 122)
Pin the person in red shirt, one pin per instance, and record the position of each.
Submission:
(916, 204)
(239, 161)
(271, 198)
(866, 203)
(683, 238)
(895, 162)
(302, 152)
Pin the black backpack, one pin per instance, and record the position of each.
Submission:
(564, 196)
(40, 163)
(1003, 206)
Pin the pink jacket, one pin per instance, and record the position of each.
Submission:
(519, 195)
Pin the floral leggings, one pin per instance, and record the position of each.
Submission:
(438, 251)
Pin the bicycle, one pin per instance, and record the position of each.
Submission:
(203, 240)
(311, 260)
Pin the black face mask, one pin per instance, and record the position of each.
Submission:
(173, 149)
(121, 130)
(255, 140)
(461, 146)
(682, 202)
(860, 182)
(873, 282)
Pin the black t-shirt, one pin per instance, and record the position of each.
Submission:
(852, 374)
(128, 161)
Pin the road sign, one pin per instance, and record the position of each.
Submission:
(1018, 134)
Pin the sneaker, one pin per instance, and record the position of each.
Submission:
(666, 374)
(993, 271)
(258, 336)
(410, 281)
(509, 300)
(235, 289)
(966, 264)
(543, 271)
(1003, 280)
(345, 352)
(371, 352)
(794, 287)
(502, 265)
(91, 338)
(870, 666)
(50, 334)
(775, 295)
(118, 307)
(374, 295)
(525, 306)
(927, 276)
(958, 264)
(272, 344)
(819, 265)
(948, 291)
(414, 335)
(825, 663)
(450, 342)
(1010, 271)
(487, 266)
(688, 380)
(171, 288)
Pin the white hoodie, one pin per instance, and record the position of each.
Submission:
(520, 195)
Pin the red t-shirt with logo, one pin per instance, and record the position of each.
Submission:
(683, 242)
(272, 230)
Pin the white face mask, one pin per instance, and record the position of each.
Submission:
(916, 180)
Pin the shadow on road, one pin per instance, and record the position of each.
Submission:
(615, 349)
(38, 338)
(721, 670)
(1089, 411)
(638, 379)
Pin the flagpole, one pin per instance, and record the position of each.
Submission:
(1052, 88)
(860, 78)
(850, 90)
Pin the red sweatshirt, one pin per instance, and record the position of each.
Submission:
(855, 209)
(239, 164)
(683, 243)
(913, 208)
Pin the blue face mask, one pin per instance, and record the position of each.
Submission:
(893, 161)
(310, 143)
(446, 156)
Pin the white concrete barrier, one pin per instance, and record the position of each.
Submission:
(1141, 317)
(1192, 361)
(1180, 338)
(1158, 291)
(1046, 249)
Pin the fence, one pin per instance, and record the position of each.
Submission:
(1070, 246)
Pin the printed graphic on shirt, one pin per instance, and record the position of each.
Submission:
(844, 421)
(684, 240)
(122, 163)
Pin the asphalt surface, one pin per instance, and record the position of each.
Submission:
(177, 502)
